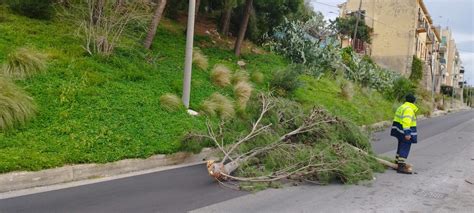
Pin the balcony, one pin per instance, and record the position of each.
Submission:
(461, 70)
(422, 27)
(442, 48)
(442, 61)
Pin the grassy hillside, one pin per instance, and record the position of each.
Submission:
(366, 106)
(95, 109)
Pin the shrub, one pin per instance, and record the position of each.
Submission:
(258, 77)
(170, 102)
(240, 76)
(401, 88)
(447, 90)
(286, 81)
(416, 70)
(38, 9)
(200, 60)
(16, 107)
(220, 75)
(219, 105)
(242, 92)
(23, 63)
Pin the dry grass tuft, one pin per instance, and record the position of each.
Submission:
(220, 75)
(16, 107)
(219, 105)
(243, 92)
(24, 63)
(171, 102)
(258, 77)
(200, 60)
(240, 76)
(347, 90)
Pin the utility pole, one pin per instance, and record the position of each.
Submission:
(188, 66)
(357, 24)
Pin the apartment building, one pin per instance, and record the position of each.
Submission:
(403, 29)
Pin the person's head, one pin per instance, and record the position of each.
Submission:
(410, 98)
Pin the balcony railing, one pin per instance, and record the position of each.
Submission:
(442, 48)
(430, 37)
(422, 27)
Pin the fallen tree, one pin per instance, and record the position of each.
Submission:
(287, 142)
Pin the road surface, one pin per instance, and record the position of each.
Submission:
(190, 188)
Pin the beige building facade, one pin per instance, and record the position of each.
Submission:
(403, 29)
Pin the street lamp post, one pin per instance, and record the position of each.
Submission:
(189, 54)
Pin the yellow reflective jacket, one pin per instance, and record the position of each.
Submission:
(404, 122)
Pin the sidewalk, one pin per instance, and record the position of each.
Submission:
(445, 166)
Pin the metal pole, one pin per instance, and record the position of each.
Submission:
(189, 54)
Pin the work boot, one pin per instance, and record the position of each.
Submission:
(404, 169)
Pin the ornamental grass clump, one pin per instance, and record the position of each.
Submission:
(219, 105)
(23, 63)
(240, 76)
(243, 92)
(221, 75)
(16, 107)
(347, 90)
(200, 60)
(171, 102)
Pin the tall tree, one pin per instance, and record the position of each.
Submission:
(227, 15)
(243, 27)
(198, 5)
(154, 23)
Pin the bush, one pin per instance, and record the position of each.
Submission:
(416, 70)
(258, 77)
(447, 90)
(38, 9)
(171, 102)
(23, 63)
(287, 81)
(401, 88)
(221, 75)
(16, 108)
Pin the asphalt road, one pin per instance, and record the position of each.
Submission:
(177, 190)
(444, 183)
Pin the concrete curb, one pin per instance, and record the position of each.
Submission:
(23, 180)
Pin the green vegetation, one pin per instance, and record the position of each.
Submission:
(416, 70)
(96, 109)
(366, 106)
(39, 9)
(346, 26)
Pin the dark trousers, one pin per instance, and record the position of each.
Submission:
(403, 150)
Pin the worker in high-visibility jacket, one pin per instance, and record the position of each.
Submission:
(404, 129)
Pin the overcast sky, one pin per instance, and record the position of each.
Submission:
(456, 14)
